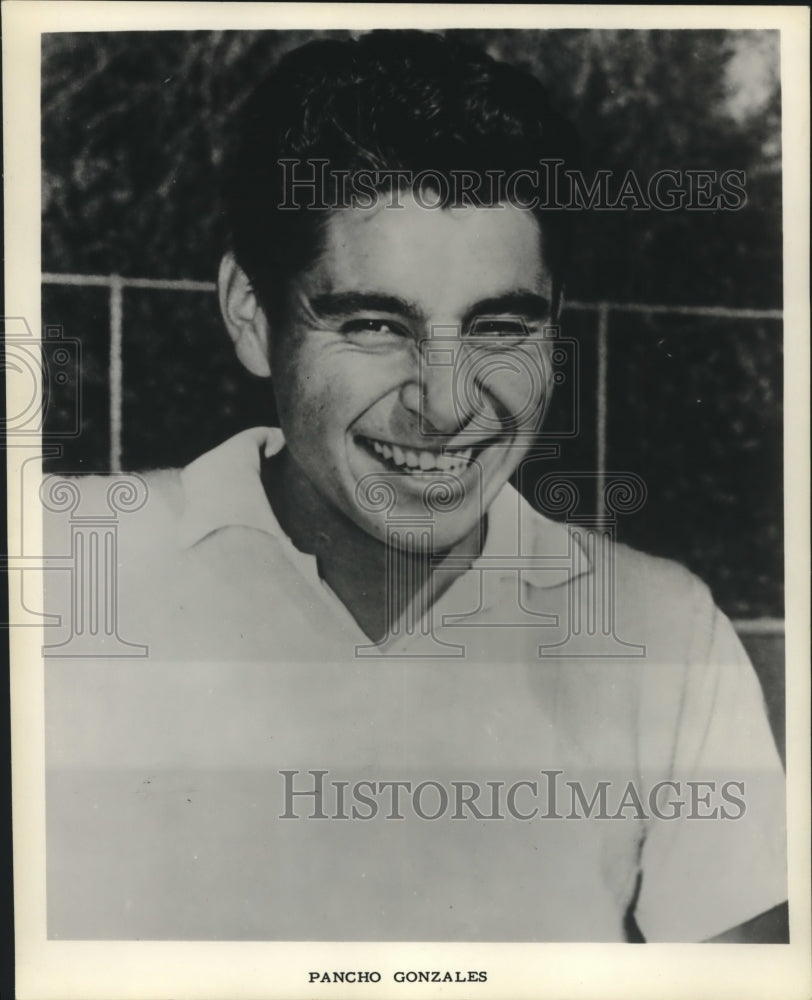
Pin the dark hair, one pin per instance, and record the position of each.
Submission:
(388, 100)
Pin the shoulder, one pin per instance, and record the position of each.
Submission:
(667, 601)
(143, 508)
(618, 592)
(593, 550)
(656, 576)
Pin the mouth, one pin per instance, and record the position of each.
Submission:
(420, 461)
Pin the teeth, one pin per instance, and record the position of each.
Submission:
(423, 461)
(448, 464)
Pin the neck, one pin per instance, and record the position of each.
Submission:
(354, 563)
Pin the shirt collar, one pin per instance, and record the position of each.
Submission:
(223, 489)
(545, 553)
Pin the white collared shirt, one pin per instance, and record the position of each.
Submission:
(165, 783)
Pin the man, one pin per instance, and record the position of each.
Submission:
(385, 698)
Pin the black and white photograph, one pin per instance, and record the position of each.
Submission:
(403, 495)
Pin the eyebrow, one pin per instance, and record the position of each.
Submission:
(520, 303)
(523, 303)
(349, 303)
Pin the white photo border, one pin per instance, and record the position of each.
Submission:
(63, 970)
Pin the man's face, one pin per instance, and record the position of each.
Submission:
(413, 357)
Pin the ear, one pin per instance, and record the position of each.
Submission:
(244, 318)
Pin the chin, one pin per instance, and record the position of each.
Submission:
(417, 535)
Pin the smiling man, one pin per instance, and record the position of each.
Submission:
(385, 697)
(358, 408)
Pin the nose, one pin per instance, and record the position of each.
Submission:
(434, 398)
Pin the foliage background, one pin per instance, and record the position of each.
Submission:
(134, 127)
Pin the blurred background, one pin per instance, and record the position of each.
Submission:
(687, 394)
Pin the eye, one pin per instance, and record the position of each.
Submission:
(373, 330)
(509, 327)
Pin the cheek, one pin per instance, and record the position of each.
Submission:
(328, 380)
(317, 394)
(309, 408)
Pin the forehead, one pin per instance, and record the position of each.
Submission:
(442, 259)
